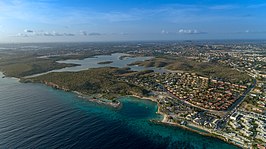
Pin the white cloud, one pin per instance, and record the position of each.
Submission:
(85, 33)
(123, 33)
(164, 31)
(28, 31)
(21, 35)
(94, 34)
(254, 32)
(188, 31)
(54, 34)
(32, 33)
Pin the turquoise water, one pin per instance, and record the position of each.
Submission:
(36, 116)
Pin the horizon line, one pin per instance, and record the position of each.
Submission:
(124, 41)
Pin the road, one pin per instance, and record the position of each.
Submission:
(225, 114)
(236, 105)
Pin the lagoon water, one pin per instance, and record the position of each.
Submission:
(37, 116)
(92, 62)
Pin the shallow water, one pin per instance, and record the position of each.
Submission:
(92, 62)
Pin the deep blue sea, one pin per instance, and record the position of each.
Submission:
(36, 116)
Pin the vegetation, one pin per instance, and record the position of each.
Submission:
(103, 81)
(202, 68)
(105, 62)
(130, 56)
(156, 62)
(29, 65)
(20, 60)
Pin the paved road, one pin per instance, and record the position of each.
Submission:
(229, 111)
(236, 105)
(242, 97)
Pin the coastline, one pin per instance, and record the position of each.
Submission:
(116, 104)
(165, 116)
(195, 131)
(206, 133)
(4, 76)
(165, 121)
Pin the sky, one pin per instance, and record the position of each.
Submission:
(130, 20)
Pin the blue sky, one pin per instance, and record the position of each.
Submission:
(123, 20)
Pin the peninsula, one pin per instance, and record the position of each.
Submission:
(99, 83)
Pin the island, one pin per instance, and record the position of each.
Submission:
(105, 62)
(129, 56)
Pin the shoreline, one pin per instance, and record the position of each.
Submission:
(165, 121)
(4, 76)
(116, 105)
(207, 133)
(153, 99)
(195, 131)
(165, 116)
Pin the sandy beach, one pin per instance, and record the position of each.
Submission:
(165, 116)
(165, 121)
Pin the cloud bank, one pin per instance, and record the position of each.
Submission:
(190, 31)
(32, 33)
